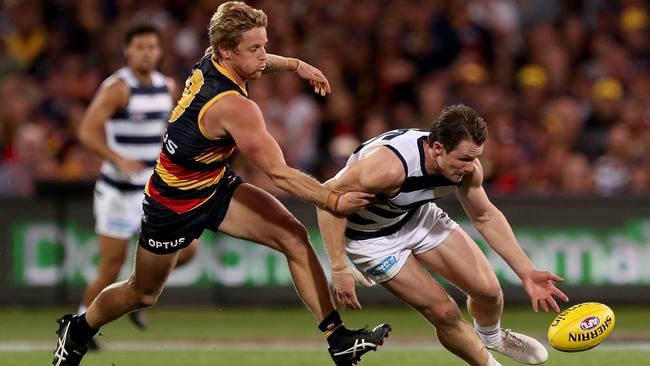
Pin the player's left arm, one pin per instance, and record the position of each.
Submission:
(493, 226)
(275, 63)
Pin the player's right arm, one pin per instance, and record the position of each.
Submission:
(242, 119)
(378, 171)
(112, 96)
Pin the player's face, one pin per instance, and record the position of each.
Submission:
(456, 163)
(143, 52)
(249, 57)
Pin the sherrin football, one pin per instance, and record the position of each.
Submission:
(581, 327)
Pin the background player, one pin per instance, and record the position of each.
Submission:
(124, 124)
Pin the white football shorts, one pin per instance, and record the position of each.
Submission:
(117, 213)
(380, 259)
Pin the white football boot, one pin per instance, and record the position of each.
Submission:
(520, 347)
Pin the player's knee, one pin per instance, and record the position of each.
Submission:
(143, 297)
(490, 295)
(147, 300)
(295, 238)
(445, 315)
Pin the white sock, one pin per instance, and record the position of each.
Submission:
(492, 361)
(82, 309)
(490, 335)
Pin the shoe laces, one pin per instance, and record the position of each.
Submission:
(512, 339)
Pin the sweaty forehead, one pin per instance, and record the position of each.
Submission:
(254, 36)
(467, 148)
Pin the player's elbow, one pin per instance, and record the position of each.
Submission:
(486, 219)
(278, 174)
(278, 179)
(85, 136)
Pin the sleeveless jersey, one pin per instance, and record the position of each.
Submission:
(191, 162)
(136, 131)
(391, 213)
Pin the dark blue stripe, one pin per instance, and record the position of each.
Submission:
(421, 151)
(360, 220)
(140, 116)
(122, 186)
(138, 140)
(412, 184)
(361, 235)
(149, 90)
(384, 213)
(401, 158)
(415, 205)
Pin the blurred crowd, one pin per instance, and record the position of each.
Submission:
(563, 85)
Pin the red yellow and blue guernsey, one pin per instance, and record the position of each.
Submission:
(192, 163)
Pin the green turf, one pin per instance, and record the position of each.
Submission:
(237, 324)
(220, 326)
(313, 358)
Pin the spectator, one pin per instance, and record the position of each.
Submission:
(552, 79)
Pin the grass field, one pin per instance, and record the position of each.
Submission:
(235, 336)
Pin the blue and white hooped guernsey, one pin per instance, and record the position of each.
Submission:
(419, 188)
(136, 131)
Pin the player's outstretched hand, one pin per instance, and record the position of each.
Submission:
(315, 77)
(343, 282)
(540, 288)
(353, 201)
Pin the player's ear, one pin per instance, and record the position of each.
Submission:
(437, 149)
(225, 53)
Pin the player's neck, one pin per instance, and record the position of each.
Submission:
(144, 78)
(430, 164)
(232, 74)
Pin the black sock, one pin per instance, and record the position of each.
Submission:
(81, 331)
(331, 325)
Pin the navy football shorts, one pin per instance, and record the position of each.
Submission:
(164, 231)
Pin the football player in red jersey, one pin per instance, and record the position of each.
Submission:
(193, 189)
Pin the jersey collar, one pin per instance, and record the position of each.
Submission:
(227, 74)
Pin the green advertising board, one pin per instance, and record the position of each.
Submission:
(43, 255)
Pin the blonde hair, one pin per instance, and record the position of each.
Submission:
(230, 21)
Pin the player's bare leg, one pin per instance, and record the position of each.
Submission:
(459, 260)
(112, 253)
(255, 215)
(417, 288)
(187, 253)
(138, 317)
(141, 289)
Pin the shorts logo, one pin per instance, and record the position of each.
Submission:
(383, 267)
(166, 244)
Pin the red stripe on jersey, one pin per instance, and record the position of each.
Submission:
(183, 174)
(177, 205)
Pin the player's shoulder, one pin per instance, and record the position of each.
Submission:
(114, 82)
(115, 89)
(384, 160)
(234, 106)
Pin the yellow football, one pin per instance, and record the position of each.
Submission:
(581, 327)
